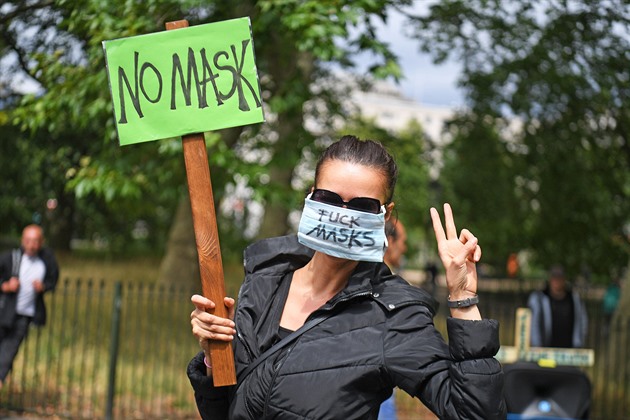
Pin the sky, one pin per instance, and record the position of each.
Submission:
(424, 81)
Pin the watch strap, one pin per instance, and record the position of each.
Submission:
(465, 303)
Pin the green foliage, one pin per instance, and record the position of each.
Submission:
(560, 71)
(67, 126)
(66, 131)
(478, 179)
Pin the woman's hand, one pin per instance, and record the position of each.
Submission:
(459, 254)
(206, 326)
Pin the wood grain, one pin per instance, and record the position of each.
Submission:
(207, 239)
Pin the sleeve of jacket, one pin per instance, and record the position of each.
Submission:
(212, 402)
(534, 304)
(581, 320)
(5, 267)
(459, 380)
(52, 269)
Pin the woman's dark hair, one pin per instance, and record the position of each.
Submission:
(363, 152)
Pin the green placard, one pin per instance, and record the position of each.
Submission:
(183, 81)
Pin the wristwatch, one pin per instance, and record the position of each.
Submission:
(463, 303)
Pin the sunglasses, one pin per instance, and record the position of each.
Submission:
(366, 204)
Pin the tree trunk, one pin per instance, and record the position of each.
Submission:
(276, 217)
(59, 223)
(288, 67)
(180, 265)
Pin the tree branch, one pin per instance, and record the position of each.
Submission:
(5, 19)
(12, 44)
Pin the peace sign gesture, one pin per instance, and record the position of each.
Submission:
(459, 254)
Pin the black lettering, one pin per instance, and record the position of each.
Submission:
(225, 97)
(343, 236)
(353, 239)
(192, 67)
(322, 213)
(237, 76)
(368, 237)
(207, 70)
(159, 78)
(186, 86)
(332, 234)
(122, 77)
(242, 102)
(319, 231)
(330, 217)
(177, 67)
(354, 221)
(131, 90)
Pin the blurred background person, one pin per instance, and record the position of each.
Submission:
(559, 316)
(396, 248)
(26, 273)
(396, 244)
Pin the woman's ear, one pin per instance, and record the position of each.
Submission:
(388, 210)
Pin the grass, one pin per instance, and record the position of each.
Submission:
(63, 368)
(137, 269)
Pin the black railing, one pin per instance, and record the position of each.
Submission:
(107, 351)
(120, 350)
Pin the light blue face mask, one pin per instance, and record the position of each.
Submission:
(343, 233)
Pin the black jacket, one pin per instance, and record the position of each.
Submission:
(380, 335)
(8, 301)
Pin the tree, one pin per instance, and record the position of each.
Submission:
(66, 129)
(478, 178)
(296, 43)
(560, 69)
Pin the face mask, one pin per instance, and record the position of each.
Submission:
(342, 232)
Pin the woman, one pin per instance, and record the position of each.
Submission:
(363, 330)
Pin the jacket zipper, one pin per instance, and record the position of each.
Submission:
(250, 354)
(286, 355)
(276, 369)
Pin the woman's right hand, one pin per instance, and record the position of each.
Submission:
(206, 326)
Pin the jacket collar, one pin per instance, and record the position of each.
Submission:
(277, 256)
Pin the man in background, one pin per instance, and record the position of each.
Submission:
(396, 244)
(26, 273)
(396, 248)
(558, 315)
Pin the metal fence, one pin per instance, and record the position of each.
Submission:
(608, 337)
(108, 350)
(120, 350)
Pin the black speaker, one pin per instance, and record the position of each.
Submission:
(534, 392)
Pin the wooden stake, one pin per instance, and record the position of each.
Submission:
(207, 238)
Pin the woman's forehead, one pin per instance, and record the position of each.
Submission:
(352, 179)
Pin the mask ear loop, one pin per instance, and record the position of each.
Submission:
(384, 212)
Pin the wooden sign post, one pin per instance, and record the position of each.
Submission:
(207, 239)
(542, 355)
(208, 249)
(182, 83)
